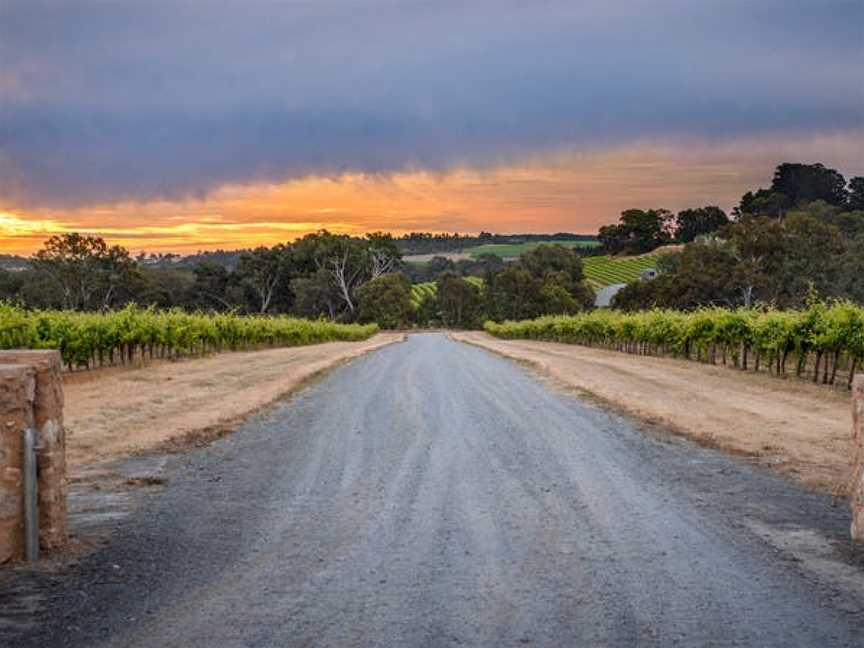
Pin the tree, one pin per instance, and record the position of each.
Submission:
(813, 252)
(691, 223)
(348, 261)
(763, 202)
(88, 271)
(546, 280)
(211, 287)
(557, 260)
(167, 288)
(459, 302)
(758, 247)
(384, 256)
(385, 300)
(794, 184)
(262, 271)
(636, 295)
(315, 295)
(851, 269)
(856, 193)
(511, 294)
(702, 274)
(804, 183)
(637, 231)
(31, 288)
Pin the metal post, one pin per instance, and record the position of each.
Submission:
(31, 497)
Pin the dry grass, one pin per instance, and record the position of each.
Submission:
(172, 405)
(799, 429)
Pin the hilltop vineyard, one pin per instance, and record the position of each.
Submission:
(602, 271)
(824, 342)
(421, 291)
(429, 289)
(88, 340)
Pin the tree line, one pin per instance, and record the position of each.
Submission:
(317, 275)
(802, 236)
(794, 187)
(338, 277)
(428, 243)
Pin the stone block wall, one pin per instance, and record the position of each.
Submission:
(43, 369)
(17, 395)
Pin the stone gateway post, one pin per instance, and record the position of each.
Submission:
(31, 396)
(857, 491)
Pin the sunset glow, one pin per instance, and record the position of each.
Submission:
(467, 117)
(545, 193)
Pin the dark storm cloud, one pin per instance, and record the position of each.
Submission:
(103, 101)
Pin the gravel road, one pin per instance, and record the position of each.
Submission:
(434, 494)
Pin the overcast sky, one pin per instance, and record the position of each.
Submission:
(111, 104)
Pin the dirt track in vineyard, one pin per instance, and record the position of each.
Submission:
(433, 493)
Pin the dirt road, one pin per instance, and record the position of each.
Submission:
(801, 430)
(435, 494)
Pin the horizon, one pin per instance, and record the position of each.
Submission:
(163, 129)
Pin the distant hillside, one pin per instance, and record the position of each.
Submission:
(512, 250)
(421, 243)
(226, 258)
(12, 262)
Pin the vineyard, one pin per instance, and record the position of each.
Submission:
(602, 271)
(89, 340)
(421, 291)
(429, 289)
(824, 343)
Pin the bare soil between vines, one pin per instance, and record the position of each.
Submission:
(801, 430)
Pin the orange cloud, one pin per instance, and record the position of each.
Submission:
(565, 191)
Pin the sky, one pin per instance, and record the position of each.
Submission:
(186, 125)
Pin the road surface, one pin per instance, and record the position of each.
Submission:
(434, 494)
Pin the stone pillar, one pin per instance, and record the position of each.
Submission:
(17, 395)
(51, 441)
(857, 491)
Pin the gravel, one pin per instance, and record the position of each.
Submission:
(434, 494)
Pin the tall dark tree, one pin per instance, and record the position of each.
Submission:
(813, 249)
(511, 294)
(546, 280)
(804, 183)
(557, 260)
(851, 270)
(263, 272)
(856, 193)
(89, 272)
(212, 286)
(348, 261)
(758, 245)
(315, 295)
(794, 184)
(691, 223)
(638, 231)
(459, 302)
(385, 300)
(762, 202)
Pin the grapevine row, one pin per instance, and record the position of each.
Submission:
(822, 342)
(601, 271)
(118, 337)
(428, 289)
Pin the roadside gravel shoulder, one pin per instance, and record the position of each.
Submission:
(799, 429)
(118, 412)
